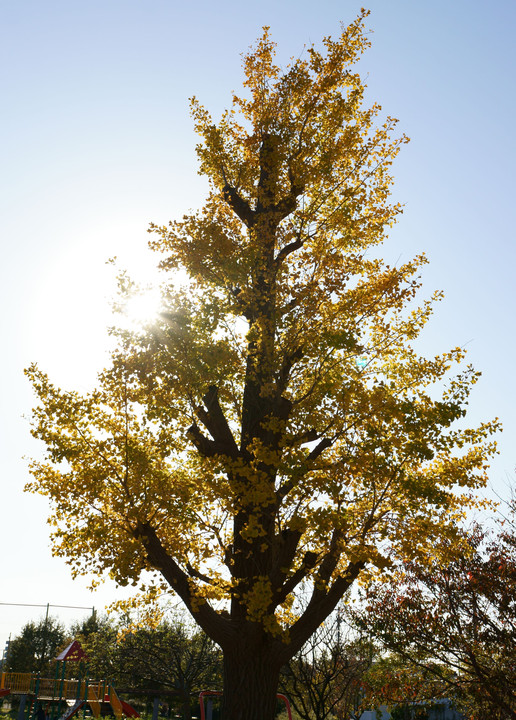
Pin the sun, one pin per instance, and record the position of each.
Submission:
(141, 309)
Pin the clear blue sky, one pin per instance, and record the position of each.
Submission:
(97, 142)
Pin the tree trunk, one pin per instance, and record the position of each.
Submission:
(187, 708)
(251, 680)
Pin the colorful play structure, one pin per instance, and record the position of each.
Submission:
(59, 698)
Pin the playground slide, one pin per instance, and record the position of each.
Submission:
(70, 711)
(129, 711)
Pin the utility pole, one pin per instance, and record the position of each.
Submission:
(5, 652)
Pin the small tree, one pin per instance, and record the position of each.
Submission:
(36, 647)
(143, 658)
(456, 622)
(171, 657)
(402, 684)
(276, 425)
(99, 636)
(324, 679)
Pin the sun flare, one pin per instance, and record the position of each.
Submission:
(78, 301)
(141, 308)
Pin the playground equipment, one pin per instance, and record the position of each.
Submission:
(59, 698)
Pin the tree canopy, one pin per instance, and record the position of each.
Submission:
(276, 424)
(36, 647)
(454, 623)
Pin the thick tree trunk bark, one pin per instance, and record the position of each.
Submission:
(187, 707)
(250, 684)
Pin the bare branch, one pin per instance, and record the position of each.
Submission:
(239, 205)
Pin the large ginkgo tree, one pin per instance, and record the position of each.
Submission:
(276, 424)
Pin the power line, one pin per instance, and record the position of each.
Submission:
(47, 605)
